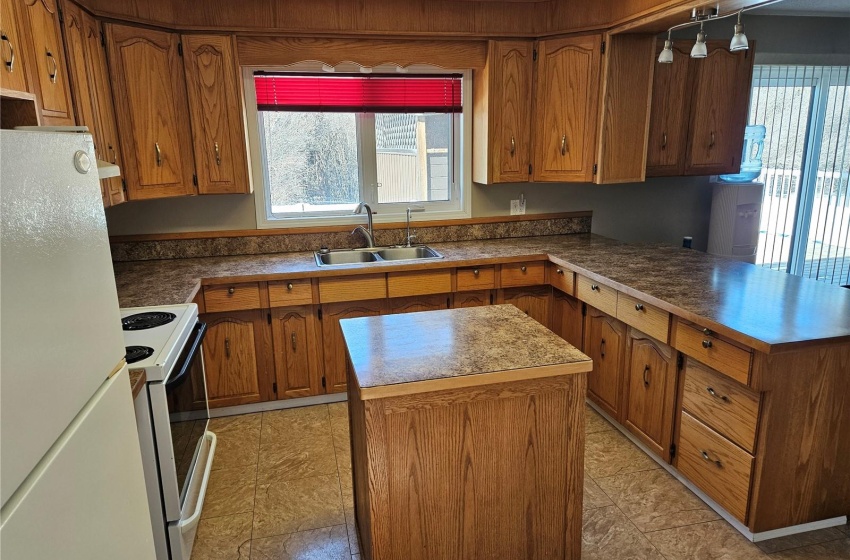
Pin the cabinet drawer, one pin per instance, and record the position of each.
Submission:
(561, 278)
(232, 297)
(419, 283)
(522, 274)
(597, 295)
(353, 288)
(729, 407)
(717, 466)
(290, 292)
(644, 317)
(476, 278)
(710, 349)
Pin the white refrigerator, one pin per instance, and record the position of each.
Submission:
(71, 477)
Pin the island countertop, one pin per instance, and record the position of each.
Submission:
(767, 309)
(427, 351)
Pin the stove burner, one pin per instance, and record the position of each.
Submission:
(137, 353)
(147, 320)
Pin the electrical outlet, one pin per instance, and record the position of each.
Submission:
(518, 207)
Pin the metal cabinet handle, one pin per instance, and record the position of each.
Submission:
(714, 394)
(708, 332)
(112, 158)
(594, 287)
(711, 144)
(645, 378)
(639, 307)
(706, 344)
(10, 62)
(602, 348)
(522, 268)
(231, 290)
(710, 460)
(289, 286)
(559, 271)
(55, 73)
(158, 154)
(293, 342)
(217, 153)
(476, 272)
(564, 145)
(227, 348)
(664, 141)
(513, 146)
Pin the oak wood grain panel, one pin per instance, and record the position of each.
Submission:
(522, 274)
(598, 295)
(415, 304)
(334, 356)
(416, 283)
(713, 350)
(565, 108)
(290, 292)
(650, 392)
(534, 301)
(605, 342)
(215, 110)
(296, 352)
(352, 288)
(50, 68)
(151, 112)
(14, 73)
(668, 121)
(232, 297)
(567, 320)
(472, 299)
(715, 465)
(562, 278)
(730, 408)
(645, 317)
(476, 278)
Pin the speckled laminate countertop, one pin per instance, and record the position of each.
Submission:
(452, 343)
(764, 308)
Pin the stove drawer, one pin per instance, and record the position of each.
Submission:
(232, 297)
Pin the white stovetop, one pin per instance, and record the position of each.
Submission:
(166, 340)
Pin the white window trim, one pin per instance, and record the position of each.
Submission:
(384, 212)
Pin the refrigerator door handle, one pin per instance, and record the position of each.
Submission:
(186, 524)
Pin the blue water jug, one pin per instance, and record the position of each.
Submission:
(751, 159)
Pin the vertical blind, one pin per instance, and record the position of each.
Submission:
(359, 94)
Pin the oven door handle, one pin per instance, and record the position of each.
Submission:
(201, 331)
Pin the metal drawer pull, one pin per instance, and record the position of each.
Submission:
(10, 62)
(708, 332)
(475, 272)
(714, 394)
(227, 348)
(602, 348)
(217, 153)
(289, 286)
(594, 287)
(231, 290)
(710, 460)
(664, 141)
(711, 145)
(645, 378)
(55, 72)
(111, 153)
(158, 154)
(522, 268)
(706, 344)
(559, 271)
(513, 146)
(639, 307)
(293, 342)
(564, 145)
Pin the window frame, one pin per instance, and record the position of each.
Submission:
(458, 207)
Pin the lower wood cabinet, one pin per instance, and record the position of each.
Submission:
(650, 391)
(333, 345)
(419, 303)
(297, 360)
(605, 343)
(472, 299)
(237, 349)
(567, 320)
(534, 301)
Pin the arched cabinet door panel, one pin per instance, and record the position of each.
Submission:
(605, 343)
(295, 334)
(335, 358)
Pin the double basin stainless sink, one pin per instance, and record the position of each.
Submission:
(375, 254)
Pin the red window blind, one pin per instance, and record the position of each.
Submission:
(359, 94)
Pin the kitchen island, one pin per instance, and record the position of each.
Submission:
(467, 434)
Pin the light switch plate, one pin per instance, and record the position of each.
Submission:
(518, 207)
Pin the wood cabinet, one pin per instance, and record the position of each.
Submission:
(605, 343)
(472, 299)
(501, 134)
(418, 303)
(48, 62)
(150, 98)
(650, 392)
(215, 109)
(699, 111)
(237, 349)
(14, 75)
(566, 101)
(534, 301)
(567, 319)
(295, 341)
(333, 345)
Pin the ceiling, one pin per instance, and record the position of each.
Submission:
(830, 8)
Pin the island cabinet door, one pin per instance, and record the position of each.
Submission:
(605, 343)
(533, 301)
(296, 352)
(650, 391)
(335, 359)
(236, 349)
(567, 321)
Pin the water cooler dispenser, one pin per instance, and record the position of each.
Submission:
(735, 216)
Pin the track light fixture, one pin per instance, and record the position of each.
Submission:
(739, 39)
(666, 56)
(700, 50)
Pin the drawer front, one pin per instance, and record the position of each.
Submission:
(562, 279)
(729, 407)
(597, 295)
(419, 283)
(522, 274)
(232, 297)
(717, 466)
(353, 288)
(477, 278)
(709, 349)
(644, 317)
(290, 292)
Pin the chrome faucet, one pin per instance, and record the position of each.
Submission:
(369, 233)
(409, 237)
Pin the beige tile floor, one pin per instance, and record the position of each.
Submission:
(281, 490)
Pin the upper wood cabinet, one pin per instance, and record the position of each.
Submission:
(566, 101)
(153, 113)
(215, 110)
(502, 114)
(699, 111)
(13, 75)
(48, 62)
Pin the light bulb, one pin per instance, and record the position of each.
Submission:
(666, 55)
(699, 50)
